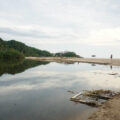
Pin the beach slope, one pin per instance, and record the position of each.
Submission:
(108, 111)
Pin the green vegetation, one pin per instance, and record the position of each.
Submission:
(67, 54)
(10, 54)
(10, 50)
(24, 49)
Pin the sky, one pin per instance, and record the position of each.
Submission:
(86, 27)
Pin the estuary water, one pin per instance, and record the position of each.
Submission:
(39, 90)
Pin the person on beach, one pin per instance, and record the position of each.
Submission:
(111, 56)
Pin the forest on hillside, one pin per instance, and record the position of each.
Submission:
(13, 49)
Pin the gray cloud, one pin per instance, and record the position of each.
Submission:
(78, 22)
(33, 34)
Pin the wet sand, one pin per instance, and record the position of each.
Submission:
(108, 111)
(115, 62)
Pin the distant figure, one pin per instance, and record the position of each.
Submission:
(111, 56)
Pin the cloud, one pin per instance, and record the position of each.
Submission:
(94, 22)
(39, 80)
(29, 33)
(107, 36)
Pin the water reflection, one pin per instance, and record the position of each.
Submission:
(111, 67)
(41, 93)
(13, 67)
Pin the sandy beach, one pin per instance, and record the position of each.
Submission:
(108, 111)
(114, 62)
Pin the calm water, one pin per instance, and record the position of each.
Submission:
(38, 90)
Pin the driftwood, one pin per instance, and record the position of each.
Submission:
(100, 94)
(113, 73)
(70, 91)
(83, 99)
(93, 98)
(75, 96)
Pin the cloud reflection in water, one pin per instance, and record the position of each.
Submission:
(32, 80)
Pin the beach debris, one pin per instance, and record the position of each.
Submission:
(70, 91)
(93, 98)
(113, 73)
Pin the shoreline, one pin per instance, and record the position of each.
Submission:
(104, 61)
(108, 111)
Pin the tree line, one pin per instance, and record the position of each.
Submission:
(17, 50)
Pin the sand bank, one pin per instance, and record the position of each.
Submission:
(108, 111)
(115, 62)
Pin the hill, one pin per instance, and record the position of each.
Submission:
(15, 49)
(22, 48)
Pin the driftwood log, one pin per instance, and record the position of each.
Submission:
(93, 98)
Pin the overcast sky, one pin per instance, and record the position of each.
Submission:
(83, 26)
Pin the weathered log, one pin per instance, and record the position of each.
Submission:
(75, 96)
(93, 98)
